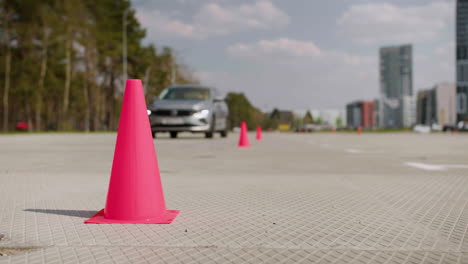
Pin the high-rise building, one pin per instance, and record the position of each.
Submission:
(462, 60)
(396, 87)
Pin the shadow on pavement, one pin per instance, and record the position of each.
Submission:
(75, 213)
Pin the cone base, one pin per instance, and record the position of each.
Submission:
(166, 218)
(244, 146)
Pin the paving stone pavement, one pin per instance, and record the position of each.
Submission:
(291, 198)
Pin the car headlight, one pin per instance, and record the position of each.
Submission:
(148, 111)
(202, 113)
(205, 112)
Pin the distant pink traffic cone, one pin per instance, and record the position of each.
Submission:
(333, 131)
(244, 138)
(359, 130)
(135, 194)
(258, 136)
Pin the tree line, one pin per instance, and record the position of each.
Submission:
(240, 109)
(61, 63)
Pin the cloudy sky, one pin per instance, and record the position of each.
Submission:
(302, 54)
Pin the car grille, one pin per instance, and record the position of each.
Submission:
(183, 125)
(163, 112)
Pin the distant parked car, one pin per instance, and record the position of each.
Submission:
(436, 127)
(422, 129)
(462, 126)
(189, 108)
(446, 128)
(21, 126)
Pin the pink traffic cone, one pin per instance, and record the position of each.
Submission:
(244, 138)
(135, 194)
(359, 130)
(259, 133)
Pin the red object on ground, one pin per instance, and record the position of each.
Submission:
(22, 126)
(333, 131)
(243, 137)
(359, 130)
(259, 133)
(135, 194)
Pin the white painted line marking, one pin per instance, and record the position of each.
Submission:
(353, 150)
(426, 166)
(432, 167)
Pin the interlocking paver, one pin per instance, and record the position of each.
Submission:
(287, 199)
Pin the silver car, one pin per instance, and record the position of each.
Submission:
(189, 108)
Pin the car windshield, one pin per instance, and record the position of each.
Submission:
(189, 93)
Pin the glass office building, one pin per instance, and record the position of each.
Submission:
(396, 87)
(462, 60)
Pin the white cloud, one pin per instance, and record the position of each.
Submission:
(434, 67)
(291, 51)
(375, 23)
(287, 70)
(215, 19)
(446, 50)
(281, 46)
(162, 23)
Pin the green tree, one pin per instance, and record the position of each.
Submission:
(339, 122)
(241, 110)
(308, 119)
(8, 13)
(61, 62)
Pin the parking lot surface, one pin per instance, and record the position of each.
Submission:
(290, 198)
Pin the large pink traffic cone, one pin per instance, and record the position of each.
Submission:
(135, 193)
(259, 133)
(244, 138)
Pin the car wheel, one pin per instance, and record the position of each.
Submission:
(210, 133)
(224, 133)
(173, 134)
(153, 134)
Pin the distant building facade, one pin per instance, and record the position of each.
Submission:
(377, 112)
(360, 113)
(462, 60)
(426, 107)
(437, 105)
(396, 107)
(446, 103)
(353, 115)
(367, 114)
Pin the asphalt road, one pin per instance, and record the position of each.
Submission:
(291, 198)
